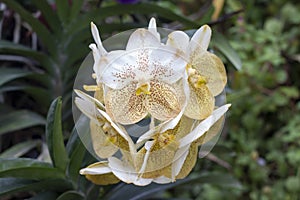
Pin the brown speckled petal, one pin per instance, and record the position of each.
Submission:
(124, 106)
(201, 103)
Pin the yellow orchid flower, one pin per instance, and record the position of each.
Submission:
(207, 75)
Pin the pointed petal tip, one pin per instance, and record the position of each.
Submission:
(93, 46)
(152, 23)
(82, 171)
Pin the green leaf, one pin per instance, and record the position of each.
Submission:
(74, 195)
(120, 9)
(44, 35)
(28, 168)
(40, 95)
(63, 9)
(49, 15)
(8, 47)
(222, 44)
(45, 195)
(9, 74)
(76, 151)
(17, 120)
(20, 149)
(54, 135)
(75, 9)
(132, 192)
(13, 185)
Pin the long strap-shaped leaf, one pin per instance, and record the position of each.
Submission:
(49, 14)
(41, 30)
(63, 10)
(8, 47)
(54, 136)
(142, 8)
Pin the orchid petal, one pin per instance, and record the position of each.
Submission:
(100, 141)
(211, 67)
(97, 39)
(153, 29)
(142, 65)
(126, 173)
(162, 180)
(200, 39)
(163, 102)
(204, 126)
(96, 168)
(179, 159)
(201, 103)
(214, 130)
(179, 40)
(124, 106)
(142, 38)
(89, 99)
(100, 174)
(189, 162)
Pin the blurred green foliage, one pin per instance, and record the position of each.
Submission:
(43, 43)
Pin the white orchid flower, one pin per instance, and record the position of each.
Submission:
(174, 84)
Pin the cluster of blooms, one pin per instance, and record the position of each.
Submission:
(174, 84)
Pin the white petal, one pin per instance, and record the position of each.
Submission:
(204, 126)
(123, 69)
(88, 105)
(86, 108)
(97, 39)
(126, 173)
(95, 170)
(141, 65)
(201, 39)
(162, 180)
(146, 135)
(153, 29)
(167, 64)
(142, 38)
(179, 40)
(142, 181)
(89, 99)
(95, 51)
(148, 146)
(103, 63)
(179, 159)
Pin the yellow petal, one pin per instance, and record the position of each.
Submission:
(101, 144)
(161, 154)
(212, 68)
(97, 173)
(189, 162)
(99, 94)
(201, 102)
(124, 106)
(163, 100)
(184, 127)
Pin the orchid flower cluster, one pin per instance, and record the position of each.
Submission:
(174, 84)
